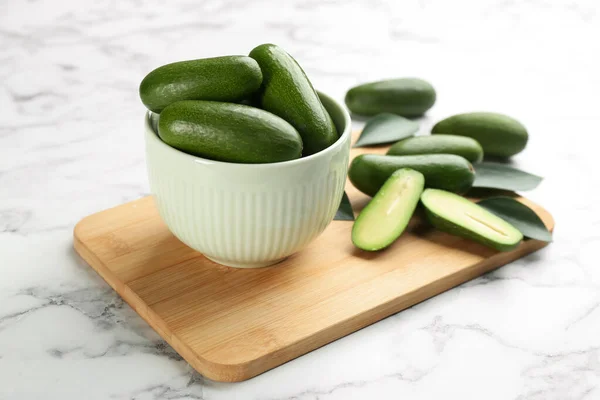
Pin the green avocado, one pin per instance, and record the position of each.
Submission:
(368, 172)
(387, 215)
(439, 144)
(408, 97)
(228, 132)
(498, 134)
(458, 216)
(229, 78)
(287, 92)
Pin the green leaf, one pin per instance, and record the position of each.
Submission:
(344, 212)
(501, 176)
(386, 128)
(519, 215)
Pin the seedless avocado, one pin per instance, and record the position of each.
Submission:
(368, 172)
(408, 97)
(498, 134)
(287, 92)
(387, 215)
(228, 132)
(458, 216)
(439, 144)
(229, 78)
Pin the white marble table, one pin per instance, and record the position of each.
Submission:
(71, 144)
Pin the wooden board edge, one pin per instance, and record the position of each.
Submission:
(344, 328)
(541, 212)
(248, 369)
(80, 228)
(212, 370)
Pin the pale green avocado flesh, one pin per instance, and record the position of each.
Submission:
(458, 216)
(387, 215)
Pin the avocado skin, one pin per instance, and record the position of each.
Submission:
(498, 134)
(408, 97)
(368, 172)
(228, 78)
(228, 132)
(439, 144)
(287, 92)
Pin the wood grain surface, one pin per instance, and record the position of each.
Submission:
(232, 324)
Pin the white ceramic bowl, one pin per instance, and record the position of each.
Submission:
(249, 215)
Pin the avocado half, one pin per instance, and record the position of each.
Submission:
(458, 216)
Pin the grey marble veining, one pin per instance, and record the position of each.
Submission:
(71, 144)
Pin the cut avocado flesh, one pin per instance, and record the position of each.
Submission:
(386, 216)
(458, 216)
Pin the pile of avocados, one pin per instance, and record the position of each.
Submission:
(433, 170)
(251, 109)
(262, 108)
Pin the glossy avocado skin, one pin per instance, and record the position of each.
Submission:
(439, 144)
(287, 92)
(368, 172)
(408, 97)
(498, 134)
(228, 132)
(229, 78)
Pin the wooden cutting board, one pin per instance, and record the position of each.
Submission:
(232, 324)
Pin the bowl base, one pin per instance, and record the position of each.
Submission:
(232, 264)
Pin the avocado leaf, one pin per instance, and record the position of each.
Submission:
(519, 215)
(386, 128)
(500, 176)
(344, 212)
